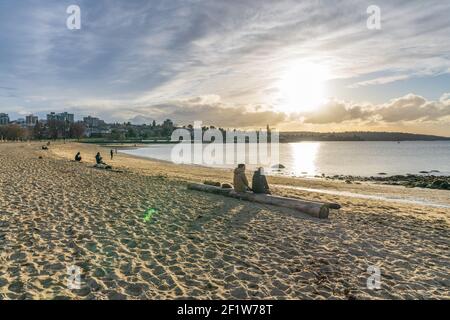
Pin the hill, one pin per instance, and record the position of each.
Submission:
(357, 136)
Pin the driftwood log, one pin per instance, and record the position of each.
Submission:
(315, 209)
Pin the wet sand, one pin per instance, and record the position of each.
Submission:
(55, 213)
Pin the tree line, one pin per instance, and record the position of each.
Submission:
(54, 129)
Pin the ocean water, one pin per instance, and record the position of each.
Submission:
(361, 158)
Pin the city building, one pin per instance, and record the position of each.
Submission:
(51, 117)
(68, 117)
(20, 122)
(4, 119)
(64, 116)
(95, 126)
(92, 122)
(31, 120)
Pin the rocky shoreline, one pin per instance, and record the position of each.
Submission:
(424, 180)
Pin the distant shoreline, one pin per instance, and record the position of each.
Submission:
(137, 144)
(296, 136)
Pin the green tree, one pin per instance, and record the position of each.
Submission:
(131, 133)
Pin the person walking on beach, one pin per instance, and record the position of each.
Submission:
(78, 157)
(259, 182)
(112, 153)
(240, 181)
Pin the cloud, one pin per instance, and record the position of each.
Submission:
(149, 58)
(8, 92)
(159, 51)
(409, 108)
(377, 81)
(413, 108)
(337, 112)
(445, 98)
(210, 112)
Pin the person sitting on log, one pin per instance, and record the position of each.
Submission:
(240, 181)
(78, 157)
(259, 182)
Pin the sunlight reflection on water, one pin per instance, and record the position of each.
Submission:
(361, 158)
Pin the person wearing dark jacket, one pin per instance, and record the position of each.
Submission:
(99, 159)
(259, 182)
(78, 157)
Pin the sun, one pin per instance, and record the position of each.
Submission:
(303, 87)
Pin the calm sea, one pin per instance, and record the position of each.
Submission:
(348, 158)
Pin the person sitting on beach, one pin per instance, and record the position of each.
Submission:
(259, 182)
(78, 157)
(99, 159)
(240, 181)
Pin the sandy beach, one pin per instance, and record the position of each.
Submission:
(56, 213)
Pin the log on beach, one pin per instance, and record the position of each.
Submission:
(312, 208)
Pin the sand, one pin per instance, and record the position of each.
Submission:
(55, 213)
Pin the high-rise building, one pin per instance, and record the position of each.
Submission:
(94, 126)
(51, 117)
(4, 118)
(92, 122)
(64, 116)
(69, 117)
(31, 120)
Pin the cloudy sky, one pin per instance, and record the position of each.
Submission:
(297, 65)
